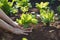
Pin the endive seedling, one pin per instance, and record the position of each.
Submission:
(24, 5)
(8, 7)
(42, 5)
(24, 9)
(47, 16)
(27, 19)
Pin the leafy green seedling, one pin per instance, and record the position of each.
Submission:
(47, 16)
(8, 7)
(42, 5)
(26, 20)
(24, 5)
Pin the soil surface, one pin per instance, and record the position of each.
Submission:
(40, 32)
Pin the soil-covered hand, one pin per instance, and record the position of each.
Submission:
(19, 31)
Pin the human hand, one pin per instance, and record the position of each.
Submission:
(19, 31)
(21, 27)
(16, 25)
(27, 29)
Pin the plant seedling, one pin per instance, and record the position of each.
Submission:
(8, 7)
(42, 5)
(47, 16)
(26, 20)
(24, 5)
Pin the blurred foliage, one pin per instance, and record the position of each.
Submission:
(12, 7)
(24, 5)
(58, 9)
(8, 7)
(27, 19)
(59, 17)
(24, 39)
(46, 14)
(52, 1)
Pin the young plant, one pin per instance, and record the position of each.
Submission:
(26, 20)
(23, 4)
(47, 16)
(8, 7)
(42, 5)
(58, 9)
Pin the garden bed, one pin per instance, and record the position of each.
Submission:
(39, 31)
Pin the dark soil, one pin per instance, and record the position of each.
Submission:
(39, 33)
(44, 33)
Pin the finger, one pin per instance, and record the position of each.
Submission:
(27, 28)
(28, 31)
(25, 33)
(22, 28)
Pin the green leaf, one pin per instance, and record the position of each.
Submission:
(42, 5)
(1, 4)
(26, 19)
(47, 16)
(24, 39)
